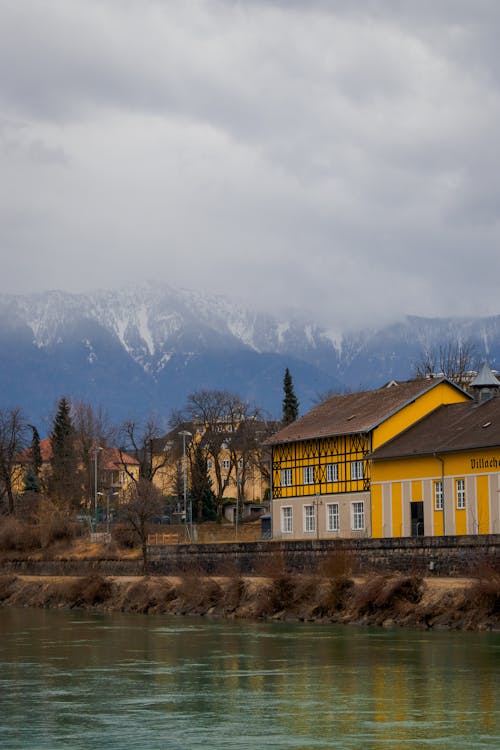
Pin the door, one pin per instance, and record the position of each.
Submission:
(417, 519)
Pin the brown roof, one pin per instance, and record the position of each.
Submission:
(355, 412)
(111, 458)
(454, 427)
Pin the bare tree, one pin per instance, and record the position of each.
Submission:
(322, 396)
(454, 360)
(92, 428)
(140, 440)
(13, 440)
(145, 503)
(218, 414)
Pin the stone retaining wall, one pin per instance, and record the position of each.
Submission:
(453, 556)
(443, 556)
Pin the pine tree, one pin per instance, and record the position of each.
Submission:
(202, 496)
(65, 481)
(290, 403)
(32, 479)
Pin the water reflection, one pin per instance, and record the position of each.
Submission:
(70, 679)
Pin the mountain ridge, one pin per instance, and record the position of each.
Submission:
(143, 349)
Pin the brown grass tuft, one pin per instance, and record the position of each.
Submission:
(90, 591)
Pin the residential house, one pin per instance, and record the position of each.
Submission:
(115, 470)
(236, 459)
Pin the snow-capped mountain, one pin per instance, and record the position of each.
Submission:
(142, 350)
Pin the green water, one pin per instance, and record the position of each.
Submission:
(74, 680)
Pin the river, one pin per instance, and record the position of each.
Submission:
(123, 682)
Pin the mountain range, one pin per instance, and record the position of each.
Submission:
(142, 350)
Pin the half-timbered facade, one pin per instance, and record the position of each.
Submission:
(321, 464)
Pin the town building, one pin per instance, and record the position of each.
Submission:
(441, 476)
(115, 470)
(322, 463)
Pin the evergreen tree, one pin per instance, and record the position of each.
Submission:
(32, 480)
(65, 481)
(290, 403)
(201, 493)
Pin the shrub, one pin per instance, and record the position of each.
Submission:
(91, 590)
(380, 593)
(124, 536)
(196, 594)
(7, 583)
(55, 524)
(16, 535)
(484, 594)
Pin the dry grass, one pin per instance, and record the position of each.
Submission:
(196, 594)
(90, 590)
(383, 593)
(7, 584)
(17, 535)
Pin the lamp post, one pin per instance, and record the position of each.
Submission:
(96, 450)
(184, 434)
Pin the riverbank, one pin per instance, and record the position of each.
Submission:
(381, 600)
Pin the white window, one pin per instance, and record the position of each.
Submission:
(209, 463)
(309, 518)
(460, 485)
(122, 477)
(438, 495)
(308, 475)
(332, 517)
(358, 516)
(332, 472)
(356, 470)
(240, 463)
(286, 520)
(225, 464)
(286, 477)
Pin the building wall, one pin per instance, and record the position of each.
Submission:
(322, 466)
(396, 483)
(444, 393)
(320, 507)
(329, 468)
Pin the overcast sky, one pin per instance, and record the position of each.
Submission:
(340, 157)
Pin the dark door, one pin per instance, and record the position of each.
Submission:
(417, 519)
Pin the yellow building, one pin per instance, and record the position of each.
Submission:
(442, 475)
(322, 465)
(236, 462)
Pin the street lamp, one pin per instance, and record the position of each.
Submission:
(108, 495)
(184, 434)
(96, 449)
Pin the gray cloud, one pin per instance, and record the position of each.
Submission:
(341, 157)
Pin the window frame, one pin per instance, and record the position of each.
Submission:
(357, 470)
(438, 495)
(286, 519)
(286, 477)
(308, 474)
(310, 519)
(460, 493)
(358, 515)
(332, 515)
(332, 473)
